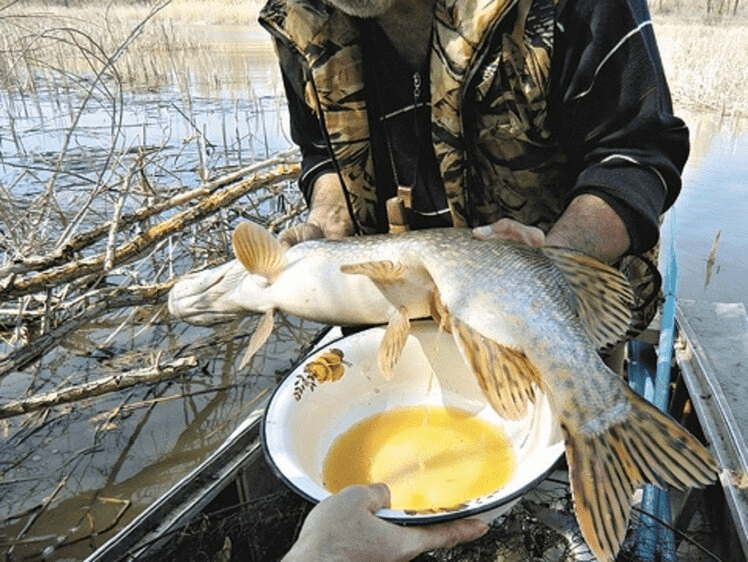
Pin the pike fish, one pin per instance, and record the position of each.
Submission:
(525, 320)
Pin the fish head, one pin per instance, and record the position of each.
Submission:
(218, 295)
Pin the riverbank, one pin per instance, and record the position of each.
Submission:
(704, 54)
(705, 61)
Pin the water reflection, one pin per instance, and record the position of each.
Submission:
(70, 474)
(714, 199)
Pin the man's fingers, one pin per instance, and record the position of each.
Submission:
(447, 534)
(379, 495)
(300, 233)
(373, 496)
(509, 229)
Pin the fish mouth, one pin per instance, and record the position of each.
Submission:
(198, 297)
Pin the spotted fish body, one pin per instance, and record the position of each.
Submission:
(304, 280)
(523, 318)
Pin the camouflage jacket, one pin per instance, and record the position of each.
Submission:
(532, 103)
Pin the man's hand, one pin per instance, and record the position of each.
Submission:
(300, 233)
(344, 528)
(328, 214)
(509, 229)
(588, 224)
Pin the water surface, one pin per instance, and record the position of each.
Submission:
(76, 472)
(714, 200)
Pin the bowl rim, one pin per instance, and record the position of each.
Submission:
(556, 450)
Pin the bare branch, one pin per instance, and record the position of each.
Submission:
(105, 385)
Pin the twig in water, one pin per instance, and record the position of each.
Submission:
(129, 251)
(158, 372)
(711, 259)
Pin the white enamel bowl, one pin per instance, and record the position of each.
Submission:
(297, 434)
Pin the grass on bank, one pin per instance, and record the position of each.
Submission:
(702, 43)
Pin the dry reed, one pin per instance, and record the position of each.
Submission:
(706, 63)
(128, 200)
(115, 177)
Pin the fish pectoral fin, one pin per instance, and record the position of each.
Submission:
(603, 295)
(393, 342)
(258, 250)
(383, 271)
(261, 334)
(439, 311)
(607, 467)
(505, 376)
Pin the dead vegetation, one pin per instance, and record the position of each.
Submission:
(132, 142)
(116, 177)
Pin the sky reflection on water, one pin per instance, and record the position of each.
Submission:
(714, 198)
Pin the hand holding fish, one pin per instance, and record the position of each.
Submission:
(300, 233)
(589, 225)
(328, 214)
(526, 320)
(510, 229)
(343, 527)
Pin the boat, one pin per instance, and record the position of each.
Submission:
(691, 362)
(233, 501)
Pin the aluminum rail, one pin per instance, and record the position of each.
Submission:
(712, 354)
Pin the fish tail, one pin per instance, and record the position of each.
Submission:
(607, 467)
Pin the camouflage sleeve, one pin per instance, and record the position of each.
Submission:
(611, 105)
(305, 127)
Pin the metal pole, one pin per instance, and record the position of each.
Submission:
(655, 540)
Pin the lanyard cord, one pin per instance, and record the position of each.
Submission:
(417, 86)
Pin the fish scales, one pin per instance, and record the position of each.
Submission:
(521, 299)
(522, 317)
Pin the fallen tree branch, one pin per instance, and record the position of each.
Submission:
(80, 241)
(13, 286)
(105, 385)
(107, 300)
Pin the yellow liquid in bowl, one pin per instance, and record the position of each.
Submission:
(431, 457)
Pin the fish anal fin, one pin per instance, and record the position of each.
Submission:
(393, 342)
(261, 334)
(258, 250)
(608, 466)
(602, 293)
(505, 376)
(383, 271)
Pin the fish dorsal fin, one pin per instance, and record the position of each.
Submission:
(603, 295)
(258, 250)
(383, 271)
(393, 342)
(607, 466)
(504, 375)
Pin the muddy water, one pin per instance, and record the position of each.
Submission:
(72, 475)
